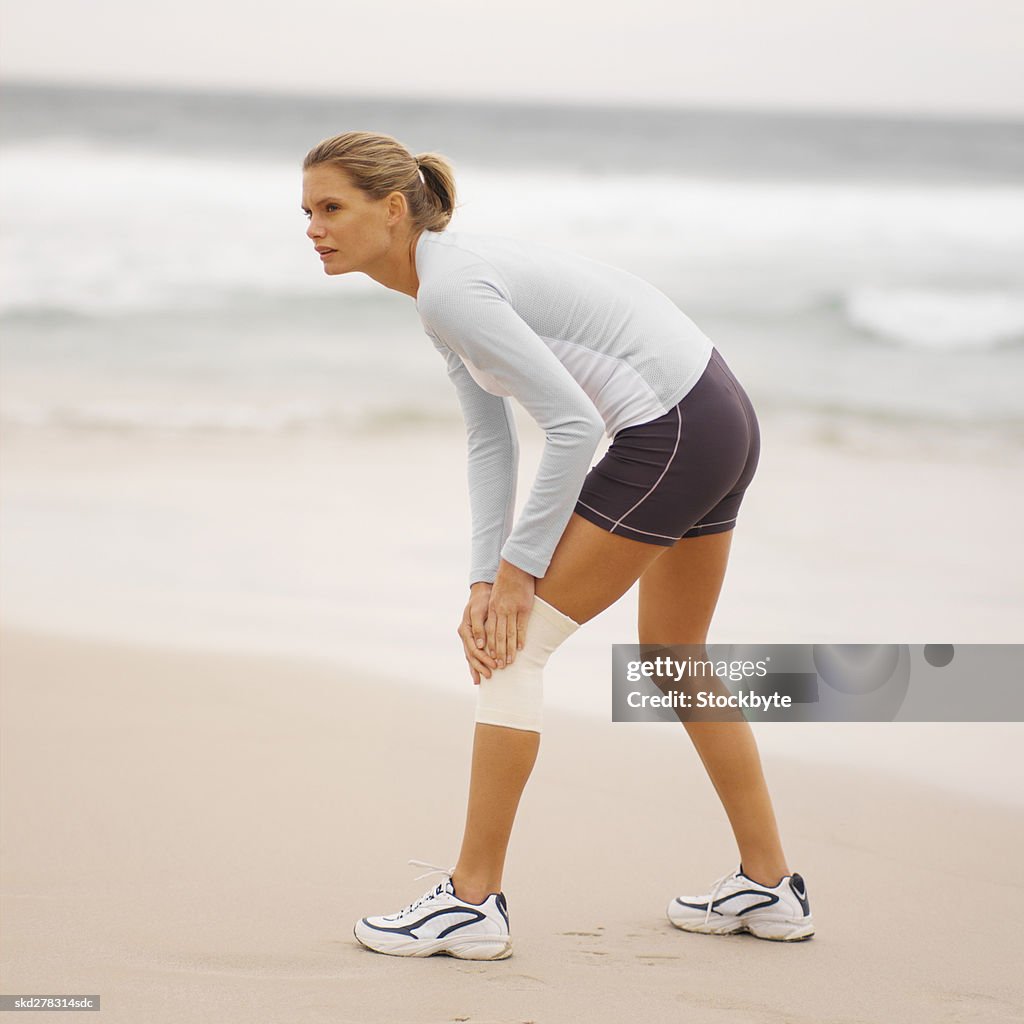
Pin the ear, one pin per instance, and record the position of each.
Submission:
(398, 208)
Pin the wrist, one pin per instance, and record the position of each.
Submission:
(508, 571)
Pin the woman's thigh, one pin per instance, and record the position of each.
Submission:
(679, 592)
(679, 586)
(592, 568)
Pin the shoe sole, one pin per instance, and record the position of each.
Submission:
(774, 931)
(467, 949)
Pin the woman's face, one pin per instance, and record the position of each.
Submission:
(350, 230)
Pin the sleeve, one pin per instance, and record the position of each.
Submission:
(493, 464)
(476, 321)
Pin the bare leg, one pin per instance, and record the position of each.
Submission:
(678, 594)
(502, 762)
(590, 570)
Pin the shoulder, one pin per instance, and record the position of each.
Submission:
(456, 281)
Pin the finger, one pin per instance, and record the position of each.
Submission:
(476, 624)
(469, 648)
(489, 627)
(479, 666)
(500, 639)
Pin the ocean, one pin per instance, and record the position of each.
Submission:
(157, 279)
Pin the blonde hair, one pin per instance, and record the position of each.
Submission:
(380, 165)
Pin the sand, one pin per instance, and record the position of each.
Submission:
(233, 708)
(192, 835)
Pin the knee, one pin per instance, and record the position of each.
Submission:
(513, 697)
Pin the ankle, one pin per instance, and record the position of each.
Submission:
(769, 876)
(473, 890)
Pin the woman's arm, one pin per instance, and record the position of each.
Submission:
(475, 320)
(492, 467)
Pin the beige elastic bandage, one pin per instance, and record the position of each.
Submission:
(513, 697)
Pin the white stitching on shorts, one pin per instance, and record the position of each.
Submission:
(648, 533)
(679, 434)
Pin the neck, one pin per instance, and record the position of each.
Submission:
(397, 268)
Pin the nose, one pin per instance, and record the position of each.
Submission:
(314, 230)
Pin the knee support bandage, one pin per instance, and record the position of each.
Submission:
(514, 695)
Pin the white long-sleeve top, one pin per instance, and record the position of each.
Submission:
(584, 347)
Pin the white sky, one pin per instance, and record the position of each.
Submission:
(884, 56)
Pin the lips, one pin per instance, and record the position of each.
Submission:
(324, 251)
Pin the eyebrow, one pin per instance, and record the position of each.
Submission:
(320, 202)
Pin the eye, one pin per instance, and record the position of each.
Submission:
(331, 207)
(307, 214)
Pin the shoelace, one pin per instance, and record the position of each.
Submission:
(715, 890)
(434, 869)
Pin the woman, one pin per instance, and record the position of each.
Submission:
(585, 348)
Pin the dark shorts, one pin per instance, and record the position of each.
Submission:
(683, 474)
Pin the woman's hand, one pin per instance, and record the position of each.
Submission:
(471, 631)
(508, 611)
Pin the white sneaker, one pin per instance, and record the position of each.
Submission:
(737, 903)
(439, 922)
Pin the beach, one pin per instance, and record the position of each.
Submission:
(192, 836)
(234, 545)
(213, 766)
